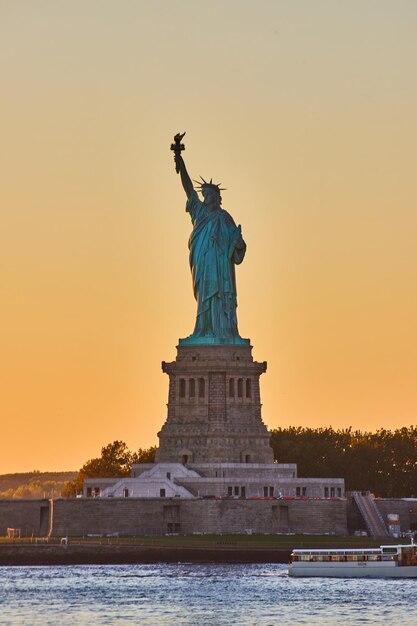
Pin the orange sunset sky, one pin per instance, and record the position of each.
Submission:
(305, 111)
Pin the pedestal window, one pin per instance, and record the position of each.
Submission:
(240, 387)
(201, 388)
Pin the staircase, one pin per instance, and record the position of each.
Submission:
(370, 514)
(146, 488)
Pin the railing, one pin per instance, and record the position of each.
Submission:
(370, 514)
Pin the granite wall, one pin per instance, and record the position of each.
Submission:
(156, 516)
(31, 516)
(406, 509)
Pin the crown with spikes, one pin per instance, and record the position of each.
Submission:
(207, 185)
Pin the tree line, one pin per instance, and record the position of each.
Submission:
(383, 462)
(34, 485)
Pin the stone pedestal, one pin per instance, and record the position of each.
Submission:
(214, 407)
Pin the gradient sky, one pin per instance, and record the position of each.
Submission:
(305, 111)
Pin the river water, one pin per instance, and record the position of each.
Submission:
(189, 594)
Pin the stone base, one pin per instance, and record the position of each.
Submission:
(215, 480)
(214, 407)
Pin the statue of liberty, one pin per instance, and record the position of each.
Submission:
(216, 246)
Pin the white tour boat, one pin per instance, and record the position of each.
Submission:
(394, 561)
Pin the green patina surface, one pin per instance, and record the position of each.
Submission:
(216, 245)
(209, 340)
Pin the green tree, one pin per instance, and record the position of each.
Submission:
(116, 460)
(384, 462)
(144, 455)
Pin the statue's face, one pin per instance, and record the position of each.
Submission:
(212, 197)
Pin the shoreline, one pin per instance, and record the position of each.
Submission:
(168, 549)
(98, 554)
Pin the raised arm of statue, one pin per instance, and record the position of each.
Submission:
(185, 177)
(177, 147)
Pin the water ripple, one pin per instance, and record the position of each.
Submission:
(190, 595)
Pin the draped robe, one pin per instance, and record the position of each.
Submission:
(215, 245)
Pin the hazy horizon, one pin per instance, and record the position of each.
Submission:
(306, 112)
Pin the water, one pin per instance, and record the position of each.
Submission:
(194, 595)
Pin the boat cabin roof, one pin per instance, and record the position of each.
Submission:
(389, 548)
(338, 551)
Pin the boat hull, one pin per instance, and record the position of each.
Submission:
(354, 570)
